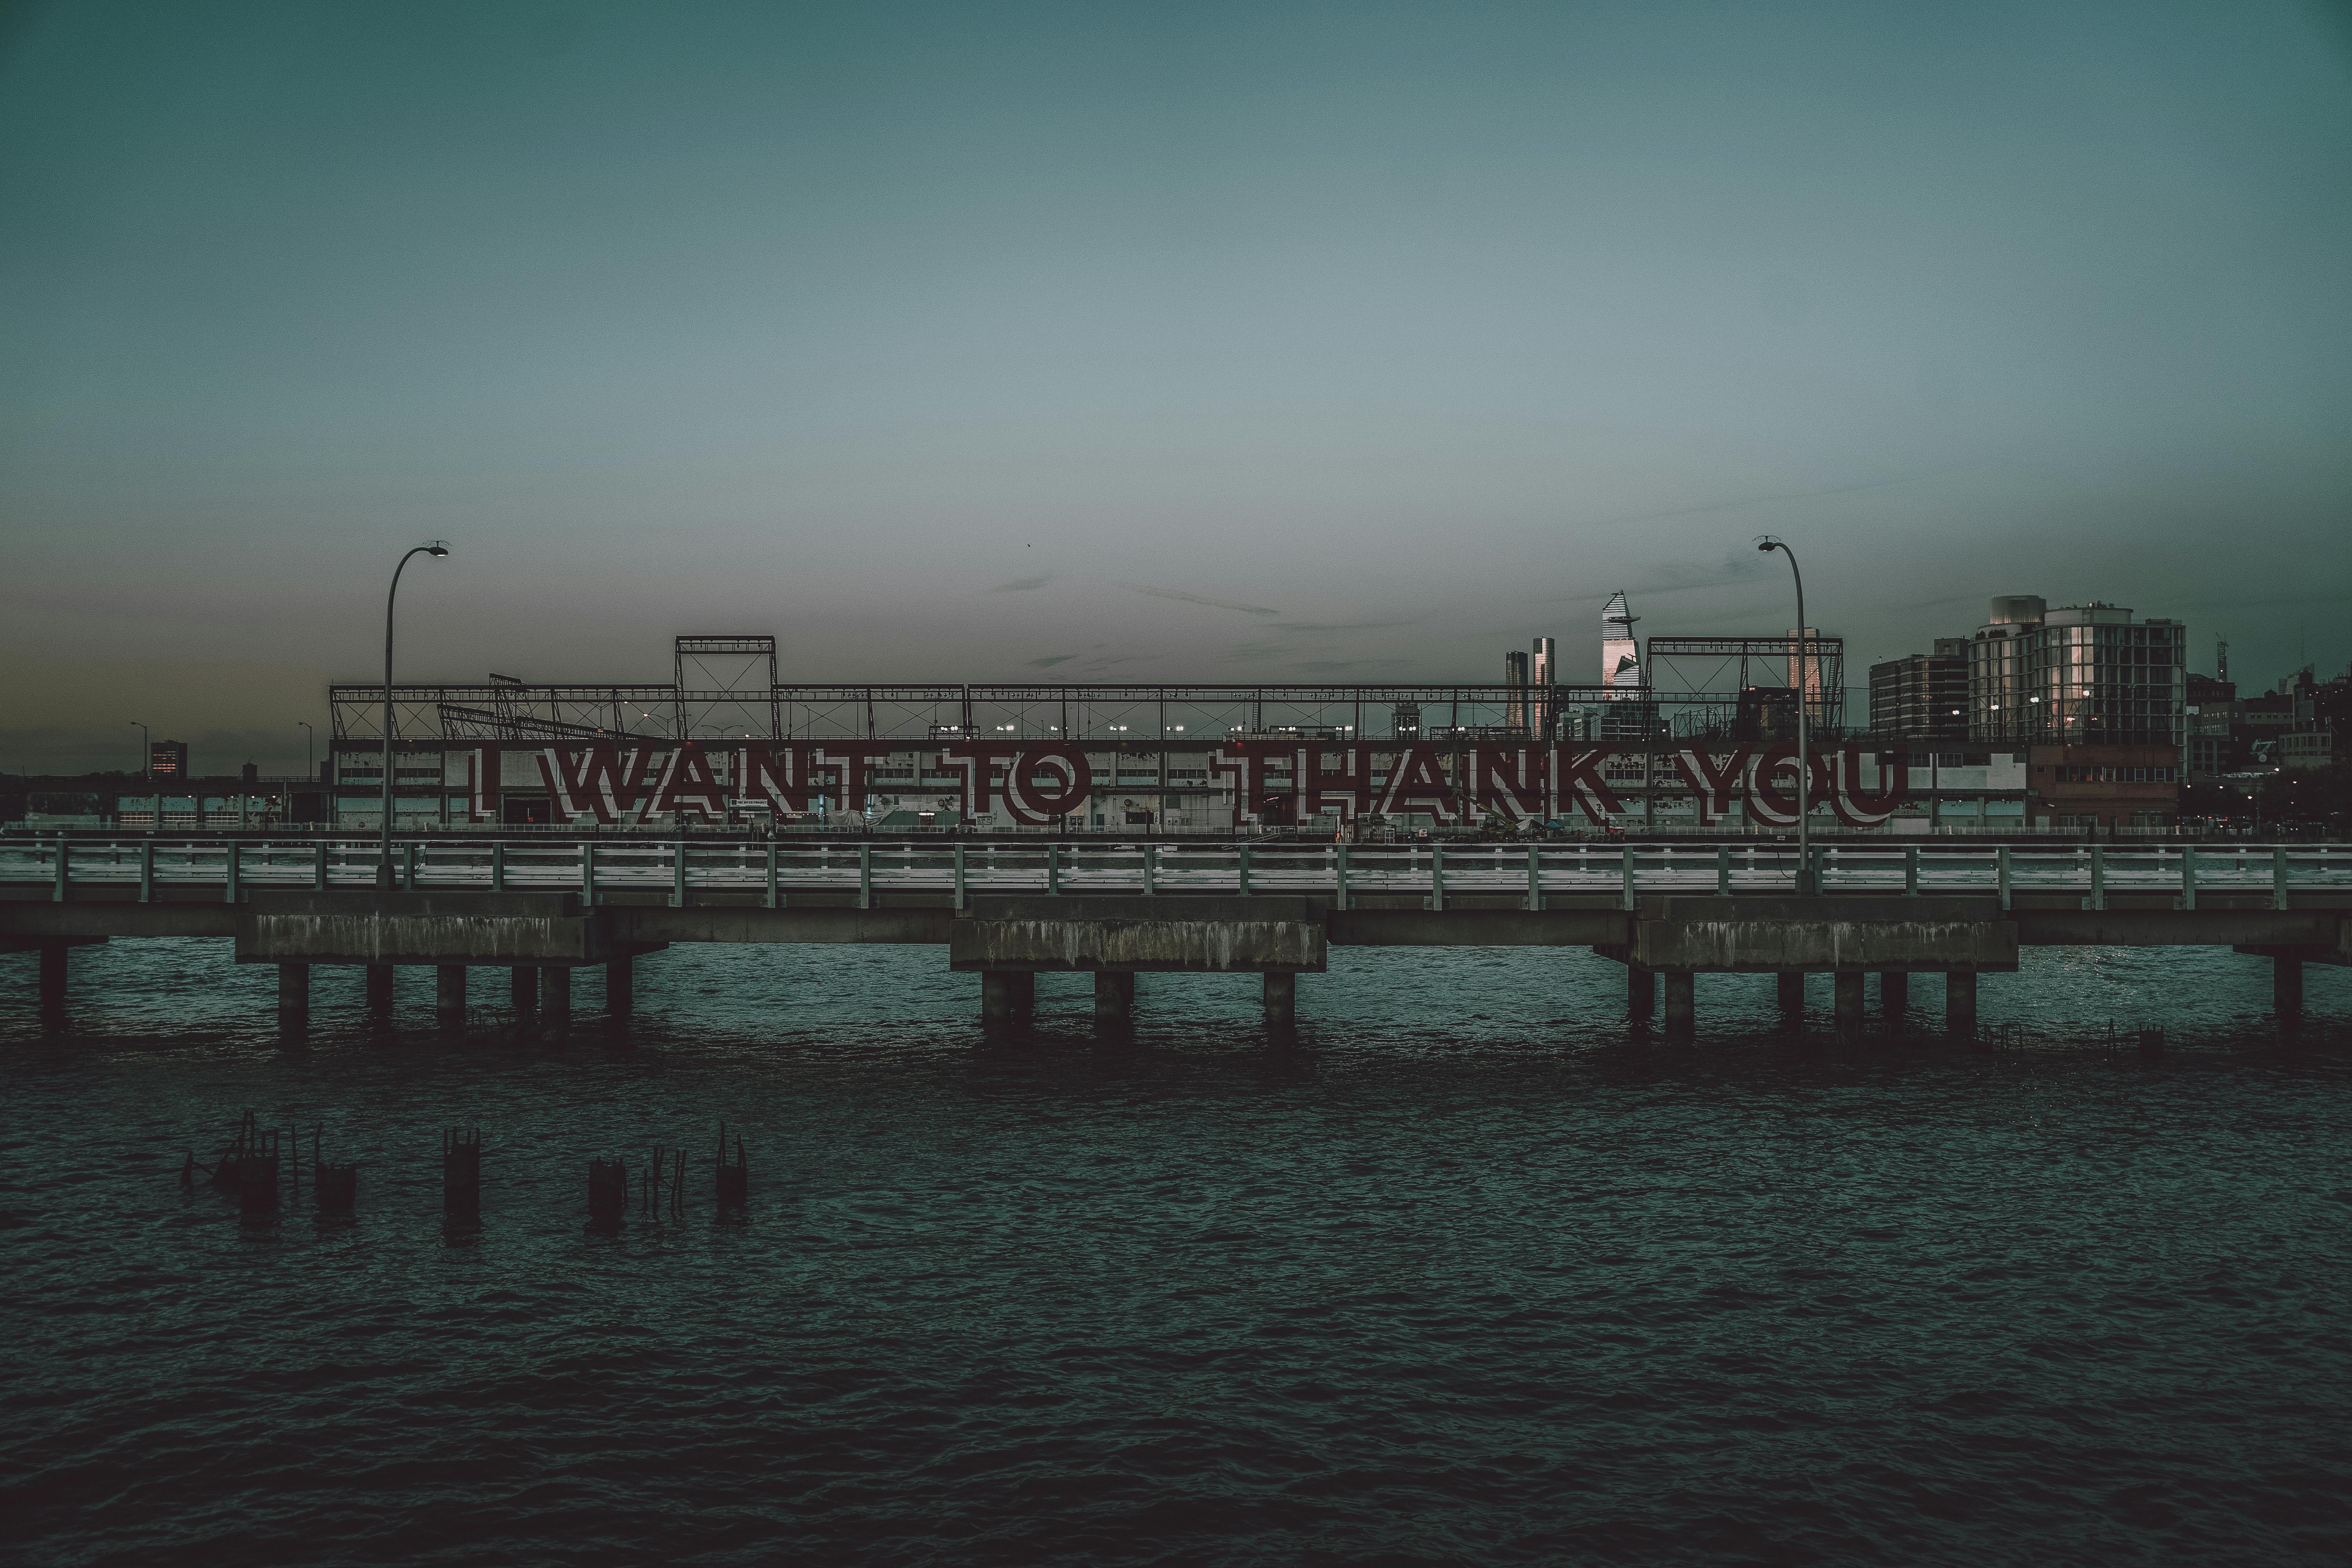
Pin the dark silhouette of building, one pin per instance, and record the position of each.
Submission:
(1922, 696)
(167, 759)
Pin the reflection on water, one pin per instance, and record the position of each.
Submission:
(1464, 1268)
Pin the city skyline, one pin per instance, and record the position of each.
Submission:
(1237, 347)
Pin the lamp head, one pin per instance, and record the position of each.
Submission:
(437, 548)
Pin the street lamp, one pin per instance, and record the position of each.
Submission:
(383, 868)
(146, 752)
(309, 752)
(1804, 750)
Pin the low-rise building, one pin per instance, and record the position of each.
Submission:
(2104, 787)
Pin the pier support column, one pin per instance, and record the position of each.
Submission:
(620, 985)
(1641, 991)
(1961, 1001)
(1849, 998)
(1682, 1003)
(526, 988)
(1114, 996)
(2286, 984)
(379, 987)
(1281, 999)
(450, 993)
(996, 996)
(1789, 987)
(293, 993)
(555, 993)
(1024, 982)
(53, 976)
(1895, 994)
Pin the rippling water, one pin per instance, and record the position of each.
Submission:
(1467, 1271)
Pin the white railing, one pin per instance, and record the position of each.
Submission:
(779, 871)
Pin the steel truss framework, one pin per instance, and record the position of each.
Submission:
(1699, 680)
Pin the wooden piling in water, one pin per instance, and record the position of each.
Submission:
(335, 1188)
(608, 1189)
(461, 1174)
(734, 1178)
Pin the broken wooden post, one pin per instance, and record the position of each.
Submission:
(461, 1174)
(735, 1178)
(608, 1191)
(337, 1187)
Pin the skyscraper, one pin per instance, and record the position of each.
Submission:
(1620, 656)
(1544, 675)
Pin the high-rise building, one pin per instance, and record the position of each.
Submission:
(167, 759)
(1922, 696)
(1621, 658)
(1515, 676)
(2079, 675)
(1543, 675)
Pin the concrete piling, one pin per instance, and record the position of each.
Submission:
(620, 985)
(1895, 994)
(2151, 1043)
(555, 992)
(2286, 984)
(53, 976)
(1682, 1003)
(293, 993)
(1848, 992)
(1114, 996)
(525, 984)
(450, 993)
(996, 996)
(1641, 991)
(1281, 999)
(1961, 1001)
(378, 987)
(461, 1174)
(1789, 991)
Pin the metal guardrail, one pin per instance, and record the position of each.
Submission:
(781, 869)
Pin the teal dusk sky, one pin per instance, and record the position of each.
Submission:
(1201, 342)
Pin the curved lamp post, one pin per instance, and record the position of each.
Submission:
(1804, 748)
(146, 758)
(383, 877)
(310, 751)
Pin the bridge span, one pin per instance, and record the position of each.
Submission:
(541, 907)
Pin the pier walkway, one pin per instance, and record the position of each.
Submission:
(541, 907)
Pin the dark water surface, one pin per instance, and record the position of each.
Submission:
(1468, 1271)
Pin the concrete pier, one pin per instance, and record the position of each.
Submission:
(525, 988)
(1789, 990)
(1114, 995)
(449, 991)
(1682, 1003)
(1848, 985)
(293, 993)
(1961, 1001)
(996, 994)
(2286, 985)
(620, 984)
(555, 992)
(53, 975)
(1895, 994)
(378, 986)
(1281, 998)
(1641, 991)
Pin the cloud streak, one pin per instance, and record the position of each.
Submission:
(1181, 597)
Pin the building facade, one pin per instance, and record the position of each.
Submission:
(2080, 674)
(1923, 696)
